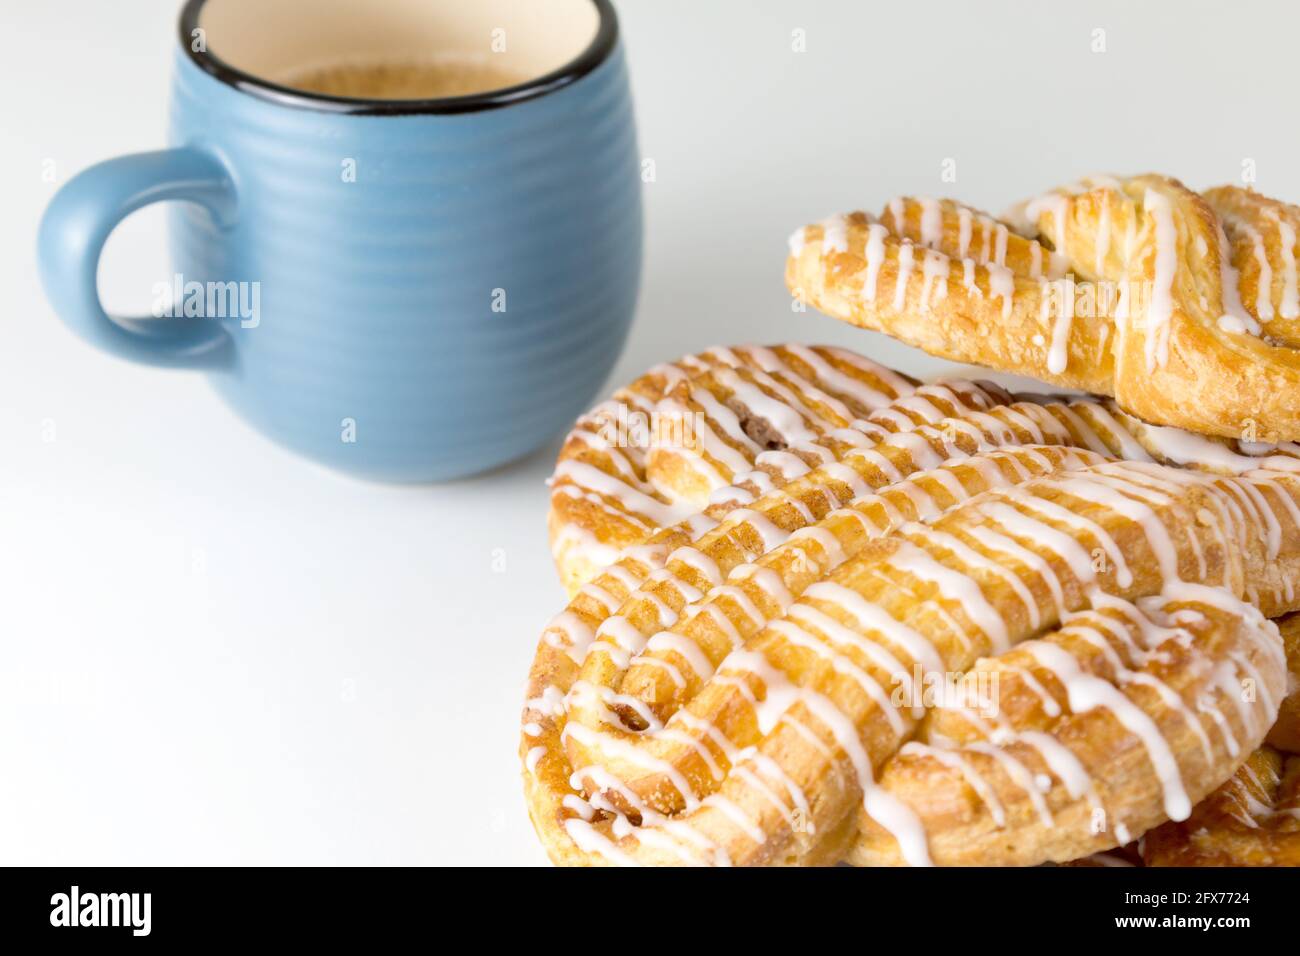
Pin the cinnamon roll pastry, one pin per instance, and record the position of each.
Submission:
(728, 688)
(1184, 307)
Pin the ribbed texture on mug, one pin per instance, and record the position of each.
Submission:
(378, 295)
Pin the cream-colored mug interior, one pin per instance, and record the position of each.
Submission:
(280, 40)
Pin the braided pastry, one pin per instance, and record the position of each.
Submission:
(1184, 307)
(621, 475)
(719, 692)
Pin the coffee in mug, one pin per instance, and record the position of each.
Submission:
(447, 76)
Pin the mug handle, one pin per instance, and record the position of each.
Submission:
(79, 221)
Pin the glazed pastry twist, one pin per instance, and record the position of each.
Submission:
(708, 696)
(619, 479)
(1165, 674)
(1254, 818)
(1184, 307)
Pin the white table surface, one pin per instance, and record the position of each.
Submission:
(213, 652)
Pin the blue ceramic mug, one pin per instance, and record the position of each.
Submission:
(402, 289)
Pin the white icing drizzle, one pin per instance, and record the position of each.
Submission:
(859, 638)
(871, 617)
(1161, 307)
(1056, 204)
(1002, 282)
(935, 268)
(1235, 320)
(1058, 354)
(1264, 290)
(875, 252)
(955, 586)
(963, 232)
(631, 499)
(931, 223)
(1087, 692)
(898, 213)
(1290, 307)
(906, 260)
(843, 383)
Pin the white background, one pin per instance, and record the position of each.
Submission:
(212, 652)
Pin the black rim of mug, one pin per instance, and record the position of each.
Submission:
(596, 53)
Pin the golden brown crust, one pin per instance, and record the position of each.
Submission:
(1252, 820)
(989, 315)
(1150, 269)
(691, 694)
(969, 797)
(826, 781)
(653, 452)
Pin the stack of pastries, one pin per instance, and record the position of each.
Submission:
(821, 612)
